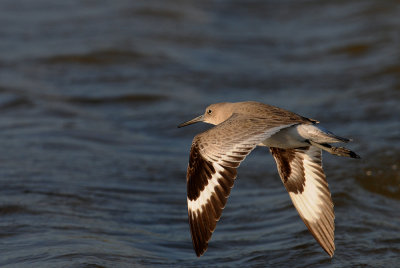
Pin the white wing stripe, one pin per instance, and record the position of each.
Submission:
(197, 205)
(312, 195)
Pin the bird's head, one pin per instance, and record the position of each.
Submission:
(214, 114)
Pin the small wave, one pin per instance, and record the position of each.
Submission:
(10, 101)
(157, 13)
(124, 99)
(390, 70)
(14, 209)
(101, 57)
(354, 50)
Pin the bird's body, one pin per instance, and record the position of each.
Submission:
(295, 142)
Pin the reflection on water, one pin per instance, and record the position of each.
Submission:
(93, 166)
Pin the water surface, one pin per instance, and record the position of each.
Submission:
(92, 169)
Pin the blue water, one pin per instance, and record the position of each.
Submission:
(93, 168)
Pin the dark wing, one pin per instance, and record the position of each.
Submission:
(214, 158)
(304, 179)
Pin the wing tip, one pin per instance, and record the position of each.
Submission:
(200, 252)
(330, 251)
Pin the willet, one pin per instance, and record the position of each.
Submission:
(295, 142)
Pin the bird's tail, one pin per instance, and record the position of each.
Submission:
(340, 151)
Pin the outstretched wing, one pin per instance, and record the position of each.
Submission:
(304, 179)
(214, 158)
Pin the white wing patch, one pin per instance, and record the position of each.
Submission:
(196, 206)
(310, 201)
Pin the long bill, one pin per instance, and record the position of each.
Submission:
(194, 120)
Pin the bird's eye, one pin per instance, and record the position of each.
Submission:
(209, 111)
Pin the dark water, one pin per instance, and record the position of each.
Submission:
(92, 166)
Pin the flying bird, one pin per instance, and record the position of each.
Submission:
(295, 142)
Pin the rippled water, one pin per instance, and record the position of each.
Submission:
(92, 169)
